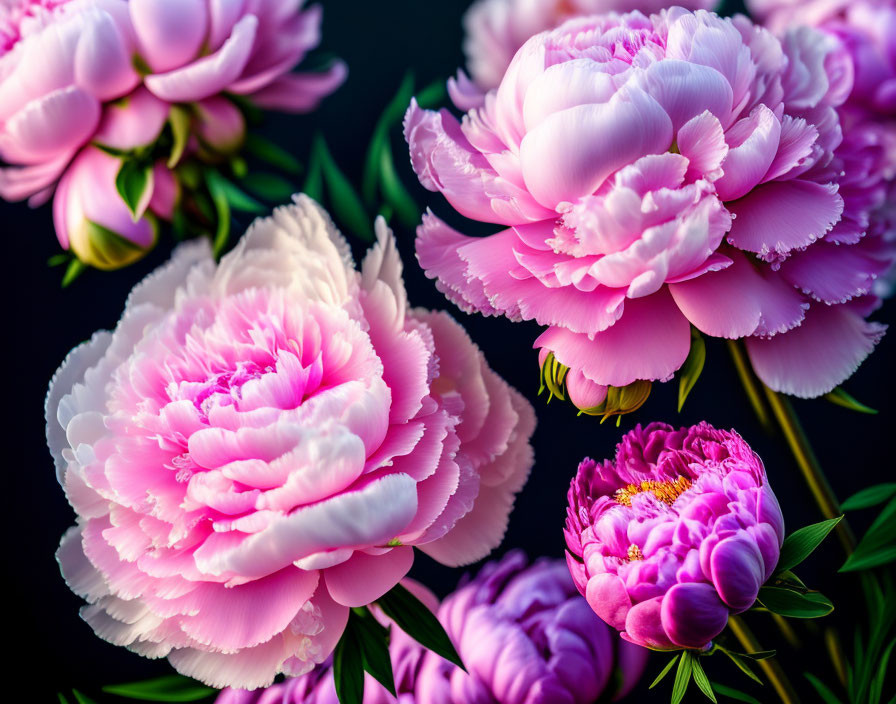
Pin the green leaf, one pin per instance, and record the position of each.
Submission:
(222, 212)
(267, 151)
(348, 670)
(62, 698)
(373, 641)
(732, 693)
(236, 198)
(418, 622)
(179, 117)
(394, 191)
(82, 698)
(823, 691)
(800, 544)
(392, 114)
(866, 498)
(841, 398)
(701, 680)
(664, 671)
(793, 604)
(432, 95)
(878, 546)
(269, 186)
(682, 677)
(314, 180)
(59, 259)
(170, 688)
(343, 199)
(741, 665)
(73, 271)
(131, 182)
(760, 655)
(692, 367)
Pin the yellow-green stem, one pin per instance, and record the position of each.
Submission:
(808, 464)
(770, 666)
(751, 385)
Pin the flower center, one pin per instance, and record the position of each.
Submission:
(666, 491)
(634, 553)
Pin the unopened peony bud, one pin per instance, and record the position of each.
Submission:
(92, 219)
(220, 125)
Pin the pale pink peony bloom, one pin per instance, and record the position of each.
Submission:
(64, 65)
(656, 173)
(495, 29)
(259, 445)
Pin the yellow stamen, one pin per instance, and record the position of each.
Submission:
(634, 553)
(666, 491)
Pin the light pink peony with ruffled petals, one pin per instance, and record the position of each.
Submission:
(495, 29)
(259, 445)
(656, 173)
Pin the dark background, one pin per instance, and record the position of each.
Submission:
(380, 41)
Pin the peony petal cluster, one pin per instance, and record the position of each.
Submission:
(525, 635)
(867, 32)
(675, 533)
(495, 29)
(259, 445)
(657, 173)
(110, 72)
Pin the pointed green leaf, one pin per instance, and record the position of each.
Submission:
(418, 622)
(131, 182)
(169, 688)
(314, 179)
(432, 95)
(269, 186)
(872, 496)
(391, 115)
(800, 544)
(222, 212)
(59, 259)
(692, 368)
(664, 671)
(735, 694)
(348, 670)
(795, 604)
(62, 698)
(373, 642)
(760, 655)
(267, 151)
(823, 690)
(702, 681)
(344, 201)
(73, 271)
(236, 198)
(682, 677)
(878, 546)
(741, 665)
(179, 118)
(394, 191)
(82, 698)
(841, 398)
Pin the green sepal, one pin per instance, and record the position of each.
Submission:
(132, 181)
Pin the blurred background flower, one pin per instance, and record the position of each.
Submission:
(524, 633)
(156, 84)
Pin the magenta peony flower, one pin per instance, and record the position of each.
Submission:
(525, 635)
(495, 29)
(657, 173)
(258, 445)
(675, 533)
(70, 67)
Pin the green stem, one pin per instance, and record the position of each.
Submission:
(751, 385)
(770, 666)
(809, 465)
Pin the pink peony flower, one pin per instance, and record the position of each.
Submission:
(495, 29)
(675, 533)
(525, 635)
(70, 67)
(657, 173)
(259, 445)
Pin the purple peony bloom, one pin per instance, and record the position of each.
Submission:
(524, 634)
(675, 533)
